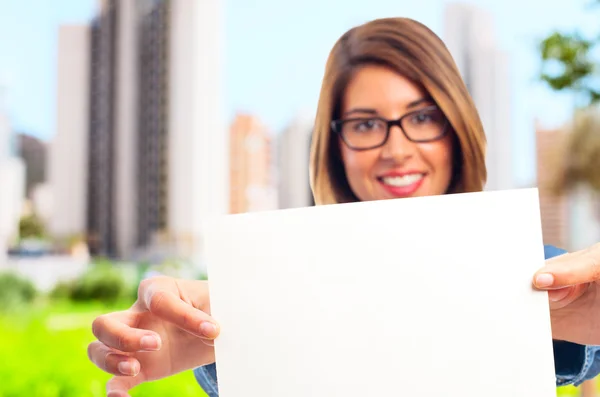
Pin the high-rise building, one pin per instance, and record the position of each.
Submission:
(12, 183)
(127, 64)
(293, 159)
(469, 36)
(584, 218)
(152, 175)
(158, 146)
(68, 151)
(570, 220)
(101, 139)
(33, 151)
(196, 164)
(6, 131)
(251, 180)
(554, 208)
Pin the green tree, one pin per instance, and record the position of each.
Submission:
(569, 65)
(30, 226)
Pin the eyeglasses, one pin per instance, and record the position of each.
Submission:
(420, 126)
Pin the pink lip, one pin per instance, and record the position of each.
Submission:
(400, 173)
(404, 191)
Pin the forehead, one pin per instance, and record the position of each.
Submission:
(379, 87)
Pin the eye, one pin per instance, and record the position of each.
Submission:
(366, 125)
(427, 117)
(423, 117)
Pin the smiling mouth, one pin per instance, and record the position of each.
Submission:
(401, 181)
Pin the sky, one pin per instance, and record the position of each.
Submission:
(276, 51)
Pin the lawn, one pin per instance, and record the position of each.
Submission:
(43, 354)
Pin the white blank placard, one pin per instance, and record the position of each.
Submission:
(422, 297)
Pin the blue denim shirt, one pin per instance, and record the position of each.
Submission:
(573, 363)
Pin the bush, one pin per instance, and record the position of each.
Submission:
(31, 227)
(15, 291)
(103, 282)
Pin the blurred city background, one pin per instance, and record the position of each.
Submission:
(124, 124)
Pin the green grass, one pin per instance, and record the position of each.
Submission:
(43, 353)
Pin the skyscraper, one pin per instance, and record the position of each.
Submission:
(252, 185)
(469, 35)
(33, 152)
(157, 152)
(197, 137)
(68, 154)
(5, 127)
(12, 183)
(293, 160)
(554, 208)
(101, 139)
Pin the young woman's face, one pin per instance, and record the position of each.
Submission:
(400, 167)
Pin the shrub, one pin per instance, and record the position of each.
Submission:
(103, 282)
(15, 291)
(31, 227)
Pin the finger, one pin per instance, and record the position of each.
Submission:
(563, 297)
(557, 295)
(570, 269)
(119, 386)
(112, 361)
(114, 330)
(172, 309)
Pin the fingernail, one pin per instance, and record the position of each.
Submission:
(544, 280)
(149, 343)
(125, 368)
(208, 329)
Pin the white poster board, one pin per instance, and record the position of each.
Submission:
(423, 297)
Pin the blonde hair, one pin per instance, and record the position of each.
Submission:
(414, 51)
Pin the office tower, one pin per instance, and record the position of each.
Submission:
(554, 208)
(251, 180)
(151, 151)
(12, 183)
(121, 119)
(158, 152)
(33, 151)
(6, 132)
(197, 141)
(101, 160)
(469, 35)
(293, 159)
(584, 218)
(68, 151)
(126, 118)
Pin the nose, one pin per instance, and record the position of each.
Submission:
(397, 148)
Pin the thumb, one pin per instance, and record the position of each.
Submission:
(119, 386)
(577, 268)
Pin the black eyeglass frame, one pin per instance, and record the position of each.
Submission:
(336, 128)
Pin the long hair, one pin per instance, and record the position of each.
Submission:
(415, 52)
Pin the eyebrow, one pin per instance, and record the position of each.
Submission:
(411, 105)
(419, 102)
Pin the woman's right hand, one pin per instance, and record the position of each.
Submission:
(166, 331)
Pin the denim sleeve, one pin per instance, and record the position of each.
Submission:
(206, 376)
(573, 363)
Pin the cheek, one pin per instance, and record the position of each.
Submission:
(358, 166)
(440, 158)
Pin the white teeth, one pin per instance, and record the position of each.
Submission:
(402, 181)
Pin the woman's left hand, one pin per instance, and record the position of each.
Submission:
(573, 284)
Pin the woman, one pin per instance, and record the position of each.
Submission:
(394, 120)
